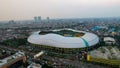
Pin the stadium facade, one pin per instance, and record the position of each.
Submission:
(63, 39)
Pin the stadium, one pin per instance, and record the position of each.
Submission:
(64, 40)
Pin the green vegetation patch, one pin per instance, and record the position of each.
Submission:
(15, 42)
(66, 33)
(110, 63)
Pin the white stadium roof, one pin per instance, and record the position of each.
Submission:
(56, 40)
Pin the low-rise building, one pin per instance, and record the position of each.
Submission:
(34, 65)
(109, 40)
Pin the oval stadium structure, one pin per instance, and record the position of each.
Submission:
(64, 38)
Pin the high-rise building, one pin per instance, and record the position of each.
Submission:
(37, 19)
(48, 19)
(11, 22)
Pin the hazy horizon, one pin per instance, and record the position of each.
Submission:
(27, 9)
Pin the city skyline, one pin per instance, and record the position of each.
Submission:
(27, 9)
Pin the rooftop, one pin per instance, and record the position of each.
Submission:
(10, 58)
(34, 65)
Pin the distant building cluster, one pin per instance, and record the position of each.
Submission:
(38, 19)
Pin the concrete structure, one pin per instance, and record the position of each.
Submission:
(64, 38)
(39, 54)
(48, 19)
(11, 22)
(7, 62)
(37, 19)
(109, 40)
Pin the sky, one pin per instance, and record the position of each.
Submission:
(27, 9)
